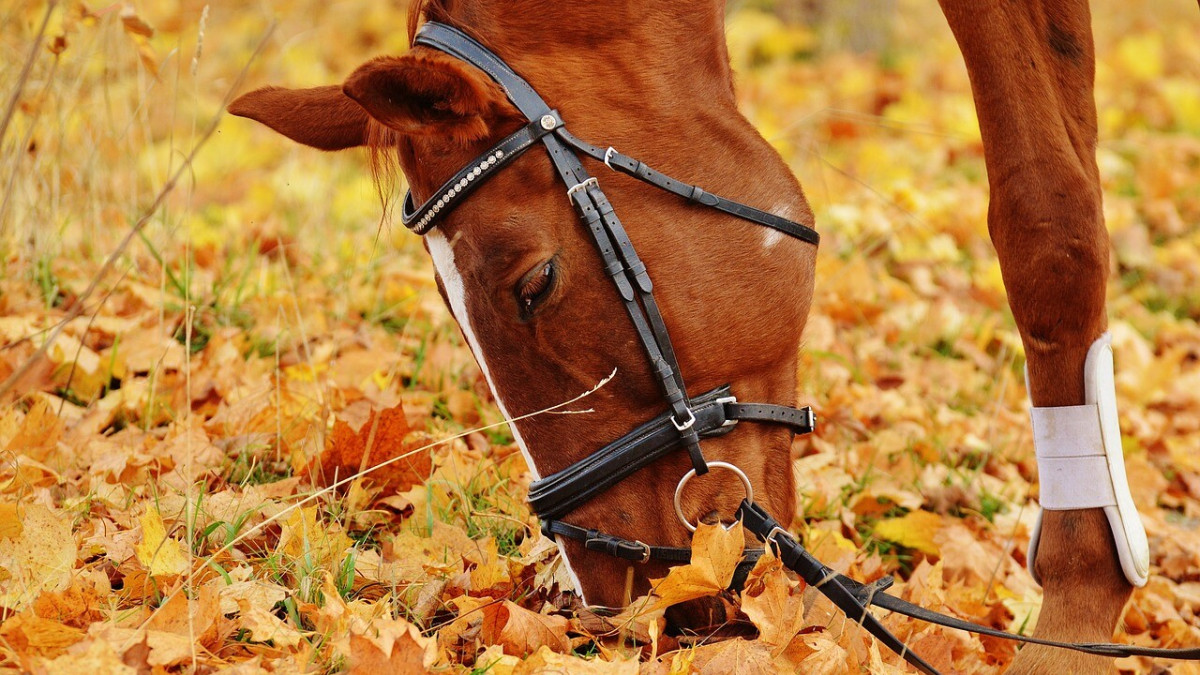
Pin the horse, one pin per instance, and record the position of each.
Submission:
(531, 297)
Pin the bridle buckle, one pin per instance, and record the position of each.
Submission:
(775, 531)
(726, 400)
(608, 154)
(686, 424)
(645, 550)
(581, 186)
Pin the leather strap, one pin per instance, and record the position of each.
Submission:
(693, 193)
(640, 552)
(421, 219)
(716, 413)
(825, 580)
(465, 48)
(853, 597)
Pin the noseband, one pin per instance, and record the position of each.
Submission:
(687, 420)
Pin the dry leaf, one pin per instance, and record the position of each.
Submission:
(40, 558)
(266, 627)
(31, 635)
(915, 529)
(391, 646)
(38, 434)
(159, 554)
(305, 537)
(774, 603)
(520, 631)
(381, 439)
(96, 656)
(715, 555)
(734, 656)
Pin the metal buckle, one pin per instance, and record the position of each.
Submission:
(770, 538)
(692, 474)
(582, 186)
(685, 425)
(810, 418)
(645, 550)
(608, 156)
(725, 400)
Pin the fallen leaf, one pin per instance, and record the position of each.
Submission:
(266, 627)
(520, 631)
(378, 449)
(38, 433)
(306, 538)
(774, 603)
(734, 656)
(915, 529)
(97, 656)
(40, 558)
(158, 553)
(391, 646)
(31, 635)
(716, 552)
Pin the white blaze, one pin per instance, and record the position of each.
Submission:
(443, 261)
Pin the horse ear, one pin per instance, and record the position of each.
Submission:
(322, 117)
(428, 93)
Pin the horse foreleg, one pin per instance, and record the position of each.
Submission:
(1032, 66)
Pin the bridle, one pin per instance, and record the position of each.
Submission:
(687, 420)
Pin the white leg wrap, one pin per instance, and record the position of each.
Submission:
(1081, 466)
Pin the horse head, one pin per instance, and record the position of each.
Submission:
(523, 278)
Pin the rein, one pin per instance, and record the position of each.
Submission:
(687, 420)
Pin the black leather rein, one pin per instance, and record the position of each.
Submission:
(686, 420)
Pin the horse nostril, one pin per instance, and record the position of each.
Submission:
(711, 518)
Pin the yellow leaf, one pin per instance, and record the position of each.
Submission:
(10, 521)
(39, 432)
(304, 536)
(31, 636)
(159, 554)
(40, 558)
(98, 657)
(774, 603)
(915, 529)
(546, 661)
(264, 626)
(715, 555)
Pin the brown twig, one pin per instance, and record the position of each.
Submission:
(26, 69)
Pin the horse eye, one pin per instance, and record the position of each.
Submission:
(534, 288)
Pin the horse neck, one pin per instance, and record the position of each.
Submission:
(654, 60)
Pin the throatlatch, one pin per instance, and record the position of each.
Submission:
(1081, 465)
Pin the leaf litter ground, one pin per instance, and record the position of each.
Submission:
(183, 488)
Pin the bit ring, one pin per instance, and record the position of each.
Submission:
(692, 474)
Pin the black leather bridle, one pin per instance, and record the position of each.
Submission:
(687, 420)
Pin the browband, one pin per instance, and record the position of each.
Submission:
(421, 219)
